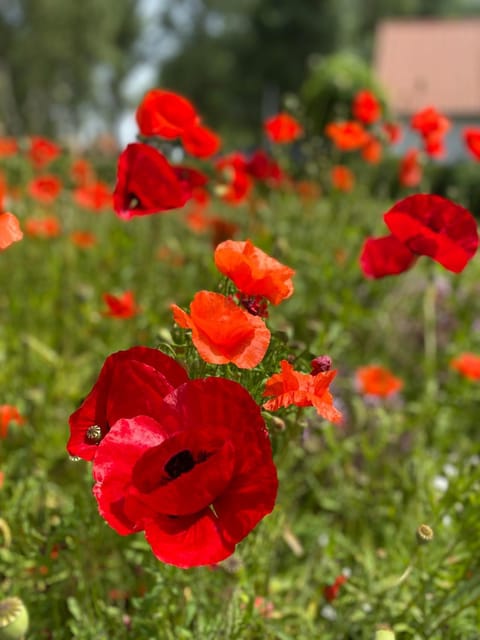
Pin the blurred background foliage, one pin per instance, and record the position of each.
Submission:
(66, 65)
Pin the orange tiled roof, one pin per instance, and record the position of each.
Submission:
(430, 63)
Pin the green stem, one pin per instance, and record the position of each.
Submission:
(430, 340)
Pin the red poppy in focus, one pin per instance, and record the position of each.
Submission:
(331, 591)
(410, 172)
(471, 137)
(342, 178)
(196, 474)
(222, 332)
(131, 383)
(82, 172)
(42, 151)
(282, 128)
(8, 147)
(47, 227)
(45, 189)
(10, 231)
(165, 113)
(200, 141)
(372, 151)
(393, 131)
(375, 380)
(436, 227)
(347, 136)
(468, 365)
(292, 387)
(146, 183)
(123, 306)
(83, 239)
(8, 414)
(385, 256)
(94, 195)
(254, 272)
(366, 107)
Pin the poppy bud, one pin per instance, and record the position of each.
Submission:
(320, 364)
(13, 619)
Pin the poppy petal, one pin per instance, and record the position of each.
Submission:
(385, 256)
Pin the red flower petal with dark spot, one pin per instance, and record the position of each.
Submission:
(164, 113)
(385, 256)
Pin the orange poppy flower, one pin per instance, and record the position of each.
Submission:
(10, 231)
(282, 128)
(45, 188)
(164, 113)
(222, 332)
(82, 172)
(2, 479)
(410, 171)
(83, 239)
(254, 272)
(292, 387)
(8, 147)
(42, 151)
(123, 306)
(342, 178)
(9, 413)
(467, 364)
(95, 196)
(375, 380)
(372, 151)
(47, 227)
(347, 136)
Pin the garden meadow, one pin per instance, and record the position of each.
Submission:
(240, 389)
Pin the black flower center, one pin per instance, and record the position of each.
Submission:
(181, 462)
(133, 200)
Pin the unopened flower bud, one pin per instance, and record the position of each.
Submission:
(424, 534)
(320, 364)
(13, 619)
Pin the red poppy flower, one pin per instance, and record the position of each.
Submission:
(196, 474)
(393, 131)
(372, 151)
(83, 239)
(8, 414)
(132, 382)
(292, 387)
(222, 332)
(434, 145)
(238, 186)
(467, 364)
(47, 227)
(146, 183)
(436, 227)
(10, 231)
(471, 137)
(192, 180)
(165, 113)
(375, 380)
(347, 136)
(429, 121)
(385, 256)
(8, 147)
(331, 591)
(200, 141)
(262, 167)
(42, 151)
(45, 189)
(342, 178)
(410, 172)
(122, 306)
(94, 195)
(82, 172)
(366, 107)
(282, 128)
(254, 272)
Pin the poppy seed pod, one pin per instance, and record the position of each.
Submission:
(13, 619)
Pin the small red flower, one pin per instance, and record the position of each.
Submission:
(410, 171)
(200, 141)
(122, 306)
(95, 195)
(45, 189)
(393, 131)
(375, 380)
(385, 256)
(471, 137)
(46, 227)
(238, 184)
(429, 121)
(146, 183)
(42, 151)
(292, 387)
(372, 151)
(331, 591)
(366, 107)
(132, 382)
(83, 239)
(262, 167)
(342, 178)
(436, 227)
(282, 128)
(347, 136)
(222, 332)
(195, 473)
(82, 172)
(468, 365)
(8, 147)
(10, 231)
(165, 113)
(8, 414)
(254, 272)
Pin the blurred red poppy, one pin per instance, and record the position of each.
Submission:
(372, 151)
(83, 239)
(262, 167)
(385, 256)
(45, 188)
(222, 332)
(292, 387)
(436, 227)
(95, 195)
(471, 137)
(410, 171)
(347, 136)
(8, 147)
(165, 113)
(393, 131)
(282, 128)
(42, 151)
(46, 227)
(196, 473)
(200, 141)
(146, 183)
(331, 591)
(123, 306)
(253, 271)
(428, 121)
(82, 172)
(132, 382)
(237, 187)
(375, 380)
(10, 231)
(342, 178)
(366, 107)
(8, 414)
(467, 364)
